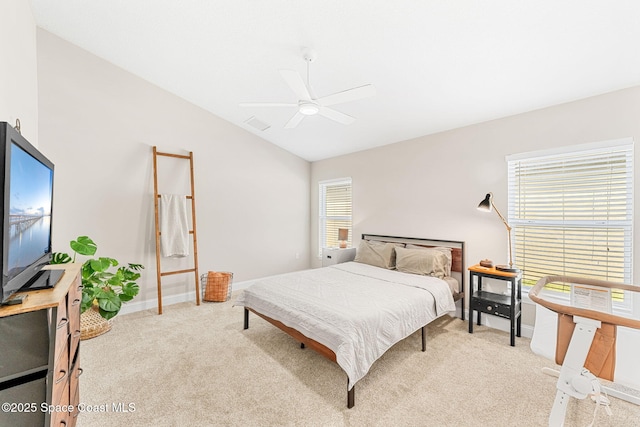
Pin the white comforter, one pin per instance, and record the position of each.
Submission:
(357, 310)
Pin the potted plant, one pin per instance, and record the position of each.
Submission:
(102, 287)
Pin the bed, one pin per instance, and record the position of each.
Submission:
(353, 312)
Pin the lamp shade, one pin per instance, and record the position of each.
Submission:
(485, 205)
(343, 234)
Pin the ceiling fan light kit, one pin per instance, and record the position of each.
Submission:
(308, 104)
(308, 108)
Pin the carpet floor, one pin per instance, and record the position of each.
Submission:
(196, 366)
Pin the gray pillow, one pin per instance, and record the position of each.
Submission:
(379, 254)
(446, 251)
(423, 261)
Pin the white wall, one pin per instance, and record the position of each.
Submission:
(18, 78)
(430, 186)
(98, 124)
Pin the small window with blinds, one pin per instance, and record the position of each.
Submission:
(335, 212)
(571, 211)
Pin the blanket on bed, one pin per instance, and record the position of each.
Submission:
(356, 310)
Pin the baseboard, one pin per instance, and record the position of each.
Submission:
(135, 306)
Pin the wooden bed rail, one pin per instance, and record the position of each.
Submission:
(315, 345)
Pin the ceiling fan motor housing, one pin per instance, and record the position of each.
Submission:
(309, 55)
(308, 108)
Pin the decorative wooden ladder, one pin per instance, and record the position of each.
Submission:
(192, 197)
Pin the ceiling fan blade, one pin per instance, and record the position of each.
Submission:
(267, 104)
(348, 95)
(295, 82)
(339, 117)
(294, 121)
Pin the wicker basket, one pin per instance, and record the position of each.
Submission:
(92, 324)
(216, 286)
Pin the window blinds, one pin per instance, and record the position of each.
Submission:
(572, 212)
(335, 211)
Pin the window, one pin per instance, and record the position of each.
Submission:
(572, 212)
(335, 212)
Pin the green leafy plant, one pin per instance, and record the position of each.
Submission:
(100, 283)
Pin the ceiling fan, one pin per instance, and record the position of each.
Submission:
(308, 104)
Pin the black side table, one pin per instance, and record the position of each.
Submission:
(505, 306)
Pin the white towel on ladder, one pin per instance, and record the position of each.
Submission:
(174, 225)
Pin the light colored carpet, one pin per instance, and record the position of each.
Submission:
(196, 366)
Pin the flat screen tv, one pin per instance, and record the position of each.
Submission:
(26, 182)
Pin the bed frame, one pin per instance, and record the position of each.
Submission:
(457, 266)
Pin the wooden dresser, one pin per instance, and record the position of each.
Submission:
(40, 355)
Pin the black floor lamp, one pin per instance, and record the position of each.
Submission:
(486, 205)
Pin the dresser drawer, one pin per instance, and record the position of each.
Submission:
(60, 418)
(33, 392)
(490, 303)
(60, 378)
(74, 376)
(75, 401)
(62, 328)
(74, 300)
(489, 307)
(24, 343)
(332, 256)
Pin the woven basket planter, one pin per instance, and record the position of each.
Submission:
(92, 324)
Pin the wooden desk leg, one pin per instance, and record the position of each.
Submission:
(351, 396)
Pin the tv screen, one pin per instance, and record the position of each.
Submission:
(30, 192)
(26, 182)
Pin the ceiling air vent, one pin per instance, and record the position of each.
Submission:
(261, 126)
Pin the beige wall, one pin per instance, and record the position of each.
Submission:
(98, 124)
(430, 186)
(18, 79)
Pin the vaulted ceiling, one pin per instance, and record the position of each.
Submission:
(435, 64)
